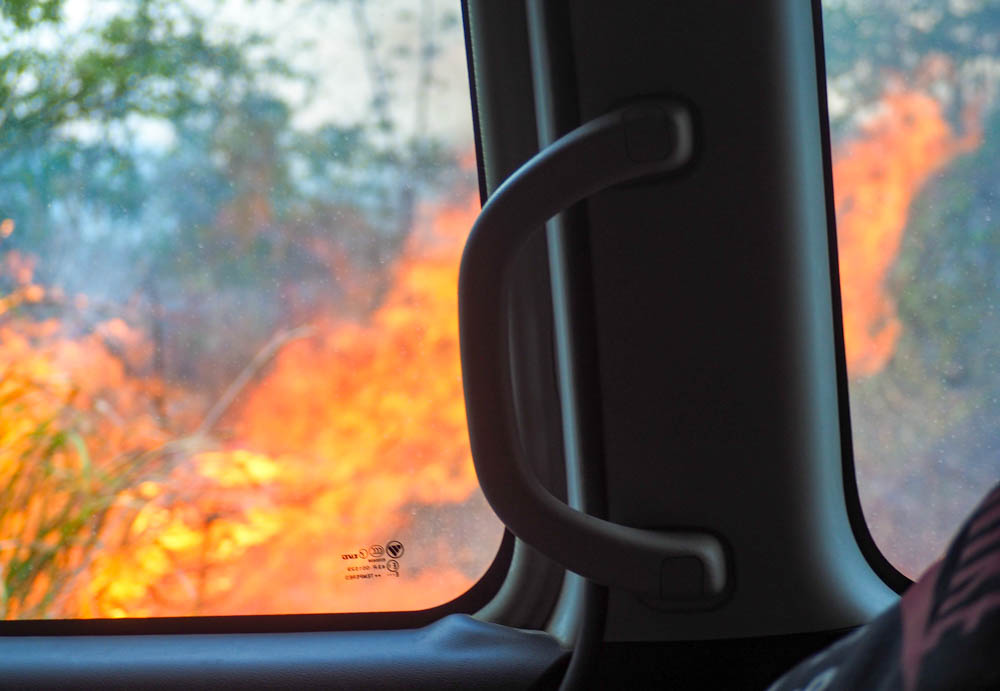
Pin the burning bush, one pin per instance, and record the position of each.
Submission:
(335, 437)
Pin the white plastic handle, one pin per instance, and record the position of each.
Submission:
(684, 566)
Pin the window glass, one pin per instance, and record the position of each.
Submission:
(912, 87)
(229, 244)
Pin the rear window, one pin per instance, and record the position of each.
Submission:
(912, 90)
(229, 369)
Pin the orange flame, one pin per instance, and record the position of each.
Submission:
(353, 436)
(354, 430)
(876, 177)
(349, 437)
(73, 427)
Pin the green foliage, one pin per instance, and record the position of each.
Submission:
(898, 34)
(947, 276)
(76, 175)
(53, 506)
(870, 43)
(27, 13)
(68, 120)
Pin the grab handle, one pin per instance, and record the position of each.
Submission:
(633, 142)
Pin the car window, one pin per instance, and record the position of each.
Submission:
(229, 370)
(912, 94)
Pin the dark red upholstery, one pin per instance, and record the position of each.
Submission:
(943, 634)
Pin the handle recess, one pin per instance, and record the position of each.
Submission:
(684, 566)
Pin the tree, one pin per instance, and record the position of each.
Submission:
(945, 48)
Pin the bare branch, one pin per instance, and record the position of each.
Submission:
(263, 356)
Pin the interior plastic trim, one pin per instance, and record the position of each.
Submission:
(455, 651)
(630, 143)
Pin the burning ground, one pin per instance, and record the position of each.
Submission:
(338, 435)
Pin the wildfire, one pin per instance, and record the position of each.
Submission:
(876, 177)
(74, 426)
(349, 435)
(353, 435)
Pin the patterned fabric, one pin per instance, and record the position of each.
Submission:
(943, 634)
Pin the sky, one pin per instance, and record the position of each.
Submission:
(320, 38)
